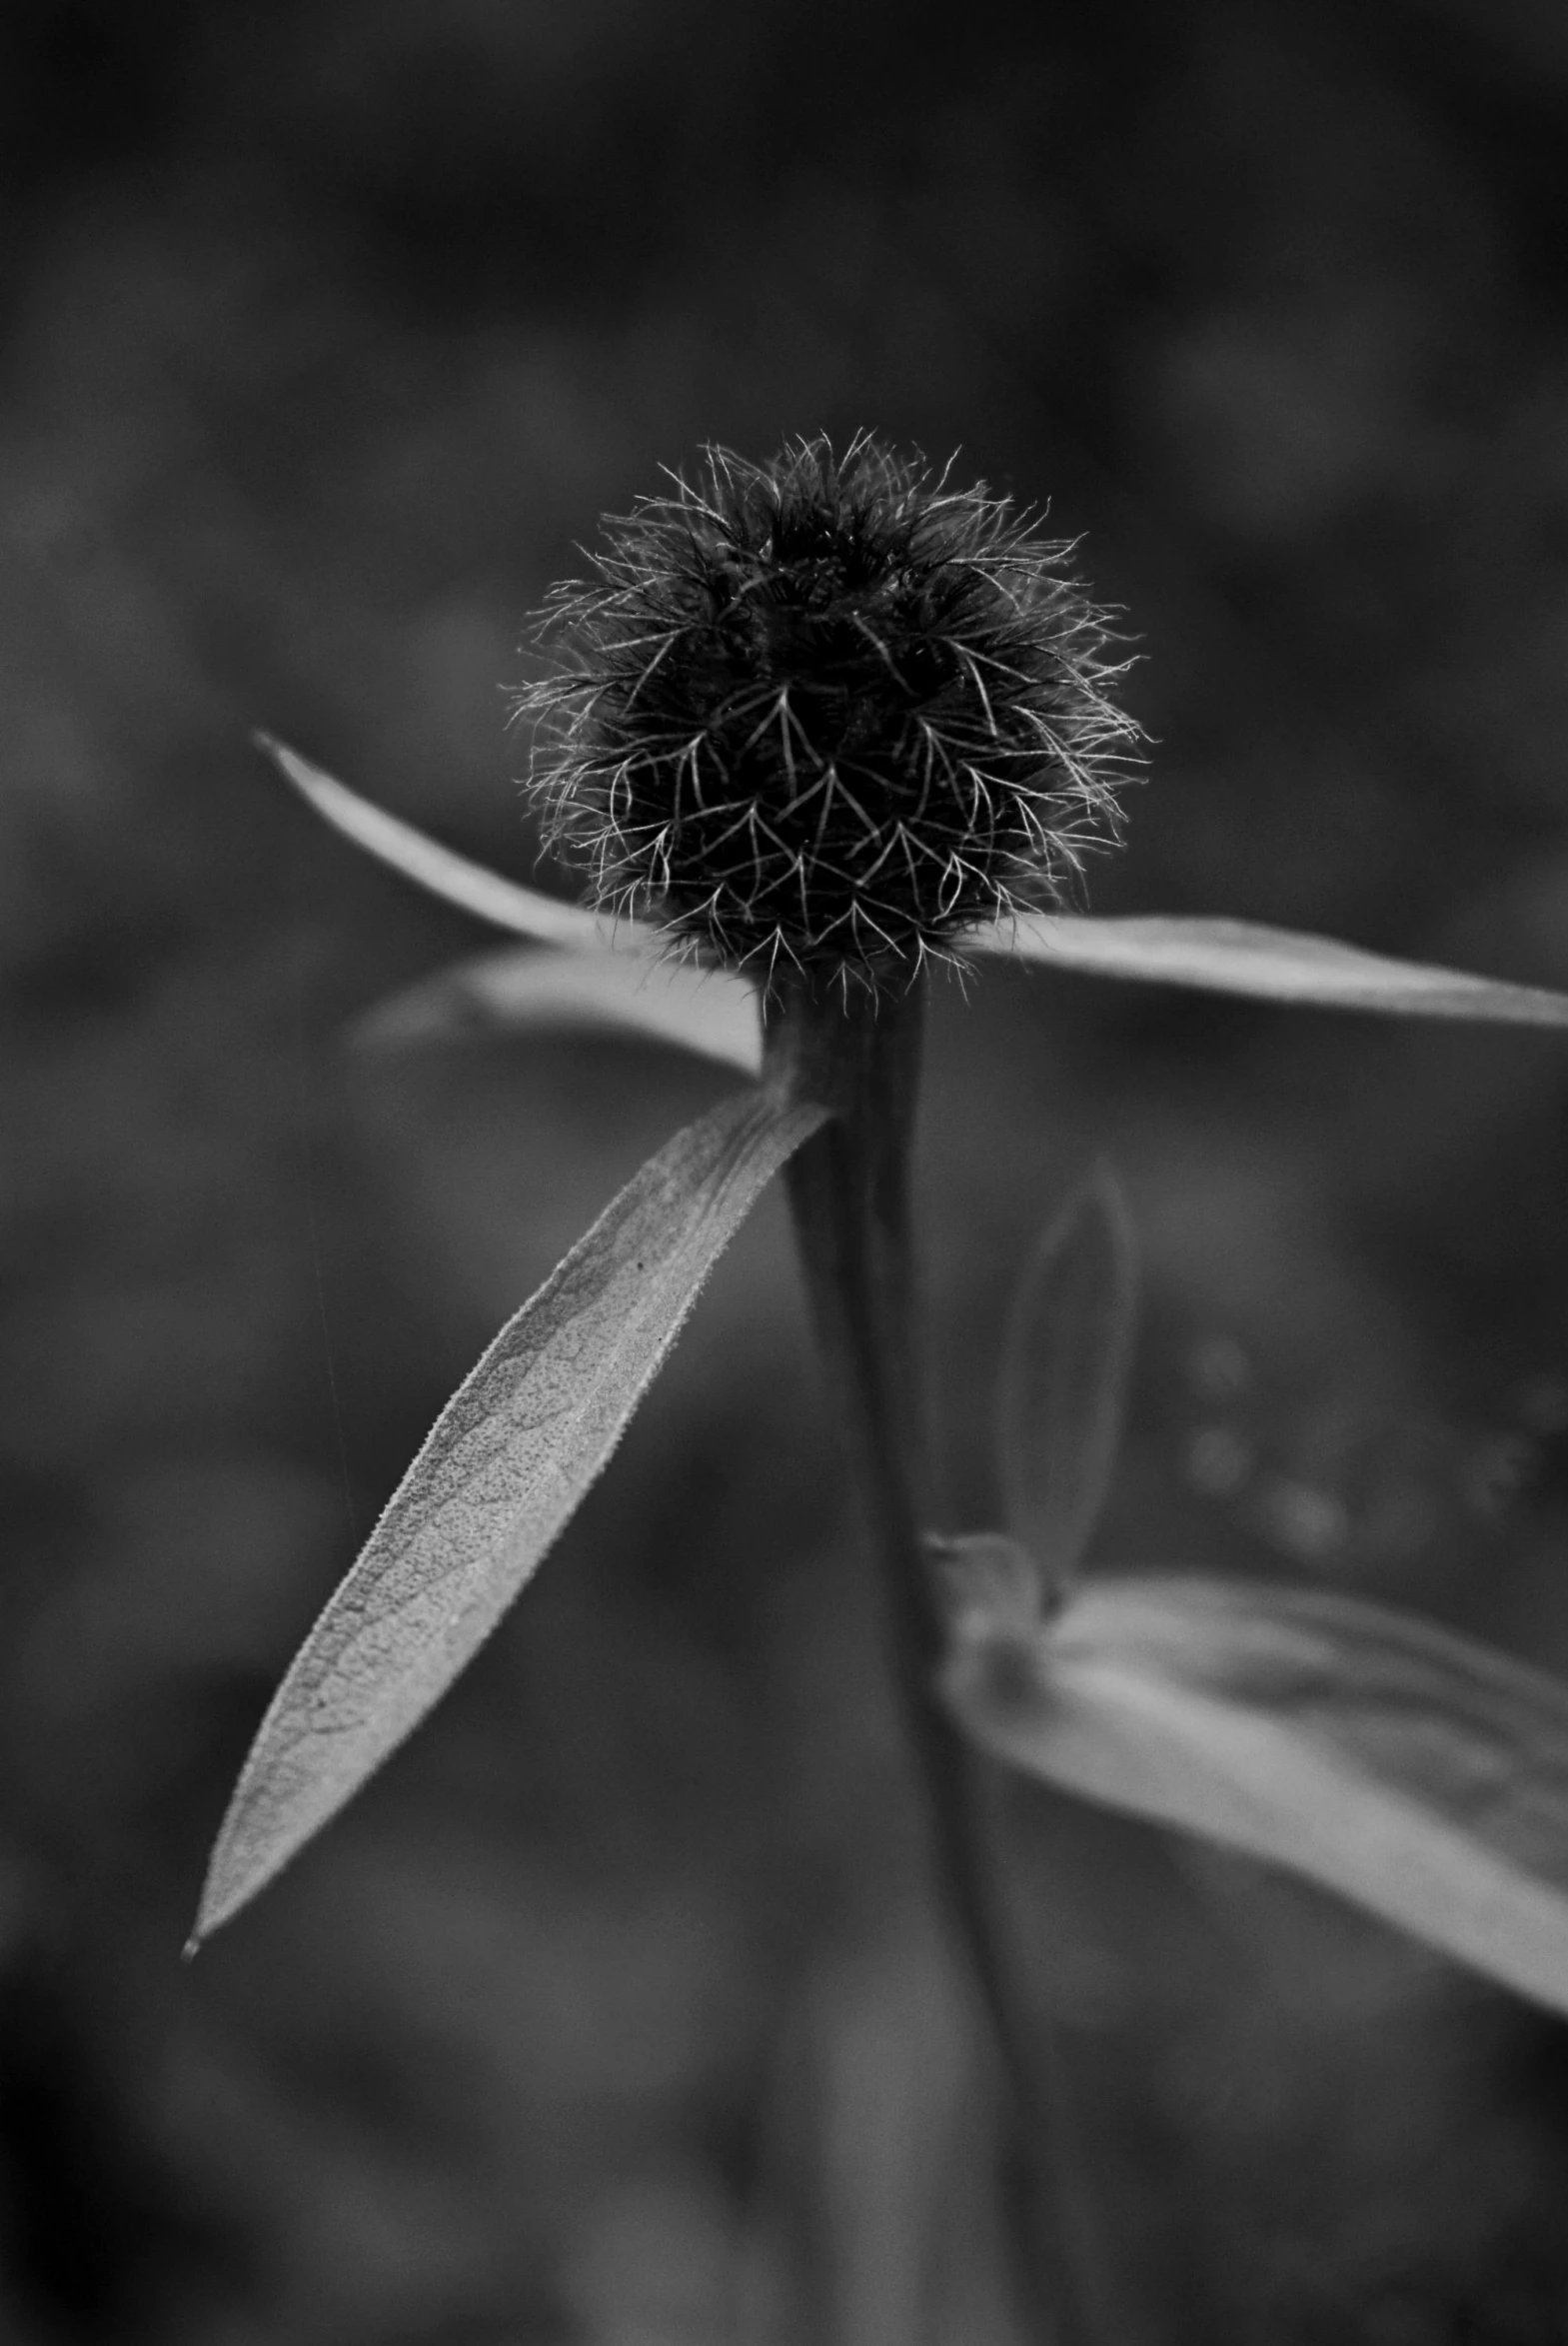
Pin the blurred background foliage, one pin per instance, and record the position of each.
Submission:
(616, 2015)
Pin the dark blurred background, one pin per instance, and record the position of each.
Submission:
(617, 2015)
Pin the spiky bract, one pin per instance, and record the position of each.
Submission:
(828, 711)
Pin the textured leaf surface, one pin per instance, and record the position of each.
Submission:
(1420, 1775)
(1273, 965)
(506, 1464)
(1064, 1376)
(705, 1011)
(506, 903)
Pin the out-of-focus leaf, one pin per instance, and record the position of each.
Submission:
(1064, 1376)
(527, 912)
(705, 1011)
(1411, 1771)
(507, 1461)
(1274, 964)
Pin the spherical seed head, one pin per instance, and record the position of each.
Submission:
(828, 712)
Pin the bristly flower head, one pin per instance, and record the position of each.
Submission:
(828, 712)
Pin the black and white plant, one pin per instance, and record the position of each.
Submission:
(813, 726)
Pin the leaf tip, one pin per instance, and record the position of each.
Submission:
(280, 757)
(231, 1884)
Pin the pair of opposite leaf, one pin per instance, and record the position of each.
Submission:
(1411, 1771)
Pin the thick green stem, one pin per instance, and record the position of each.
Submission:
(848, 1193)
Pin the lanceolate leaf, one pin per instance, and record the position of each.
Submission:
(705, 1011)
(506, 903)
(1274, 964)
(1414, 1772)
(1064, 1376)
(509, 1460)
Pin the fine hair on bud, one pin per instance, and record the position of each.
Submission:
(826, 712)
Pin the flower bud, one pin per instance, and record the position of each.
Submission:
(827, 713)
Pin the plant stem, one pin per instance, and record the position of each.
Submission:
(848, 1194)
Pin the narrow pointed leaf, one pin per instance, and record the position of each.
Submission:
(1418, 1774)
(1272, 964)
(527, 912)
(1064, 1372)
(705, 1011)
(506, 1464)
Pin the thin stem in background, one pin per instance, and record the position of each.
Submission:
(848, 1194)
